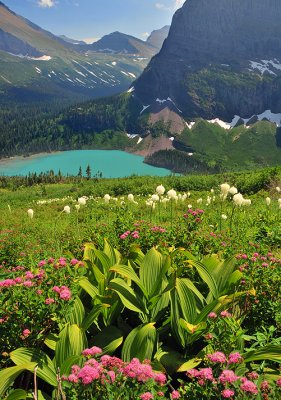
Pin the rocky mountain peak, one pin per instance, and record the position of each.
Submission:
(218, 51)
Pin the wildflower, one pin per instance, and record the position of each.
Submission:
(50, 300)
(66, 209)
(206, 374)
(131, 197)
(238, 199)
(246, 202)
(224, 190)
(225, 314)
(233, 190)
(212, 315)
(146, 396)
(217, 357)
(106, 198)
(160, 190)
(41, 263)
(223, 216)
(82, 201)
(160, 394)
(30, 213)
(248, 386)
(88, 374)
(234, 358)
(74, 261)
(199, 201)
(227, 393)
(92, 351)
(268, 201)
(65, 293)
(155, 197)
(77, 206)
(278, 189)
(26, 333)
(265, 386)
(228, 376)
(73, 378)
(278, 382)
(175, 394)
(135, 235)
(172, 194)
(160, 378)
(192, 373)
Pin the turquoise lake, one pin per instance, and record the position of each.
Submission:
(111, 163)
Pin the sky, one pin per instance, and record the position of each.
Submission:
(92, 19)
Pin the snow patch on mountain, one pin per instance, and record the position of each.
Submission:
(266, 66)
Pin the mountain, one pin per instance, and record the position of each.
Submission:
(72, 41)
(35, 64)
(120, 43)
(221, 58)
(157, 37)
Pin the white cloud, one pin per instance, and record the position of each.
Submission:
(145, 35)
(172, 5)
(46, 3)
(178, 4)
(90, 40)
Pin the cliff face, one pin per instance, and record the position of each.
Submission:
(221, 57)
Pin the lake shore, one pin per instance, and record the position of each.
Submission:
(7, 160)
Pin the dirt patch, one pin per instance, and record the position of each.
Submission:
(151, 145)
(168, 116)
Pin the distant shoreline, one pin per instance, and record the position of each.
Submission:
(29, 157)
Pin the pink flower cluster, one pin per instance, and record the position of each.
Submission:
(134, 235)
(219, 357)
(158, 229)
(63, 291)
(108, 369)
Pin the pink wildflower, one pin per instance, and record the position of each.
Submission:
(27, 283)
(88, 374)
(146, 396)
(18, 280)
(74, 261)
(56, 289)
(227, 393)
(160, 378)
(26, 333)
(225, 314)
(39, 292)
(29, 275)
(50, 300)
(212, 315)
(265, 386)
(253, 375)
(192, 373)
(41, 263)
(234, 358)
(111, 375)
(51, 260)
(92, 351)
(160, 394)
(65, 294)
(73, 378)
(228, 376)
(217, 357)
(175, 394)
(278, 382)
(206, 374)
(248, 386)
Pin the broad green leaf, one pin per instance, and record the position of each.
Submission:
(72, 341)
(77, 313)
(103, 261)
(112, 253)
(46, 369)
(127, 295)
(187, 303)
(190, 328)
(189, 364)
(207, 277)
(92, 316)
(152, 269)
(140, 343)
(85, 284)
(18, 394)
(170, 359)
(65, 368)
(51, 340)
(8, 375)
(109, 339)
(270, 352)
(177, 330)
(128, 272)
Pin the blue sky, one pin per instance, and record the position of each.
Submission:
(80, 19)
